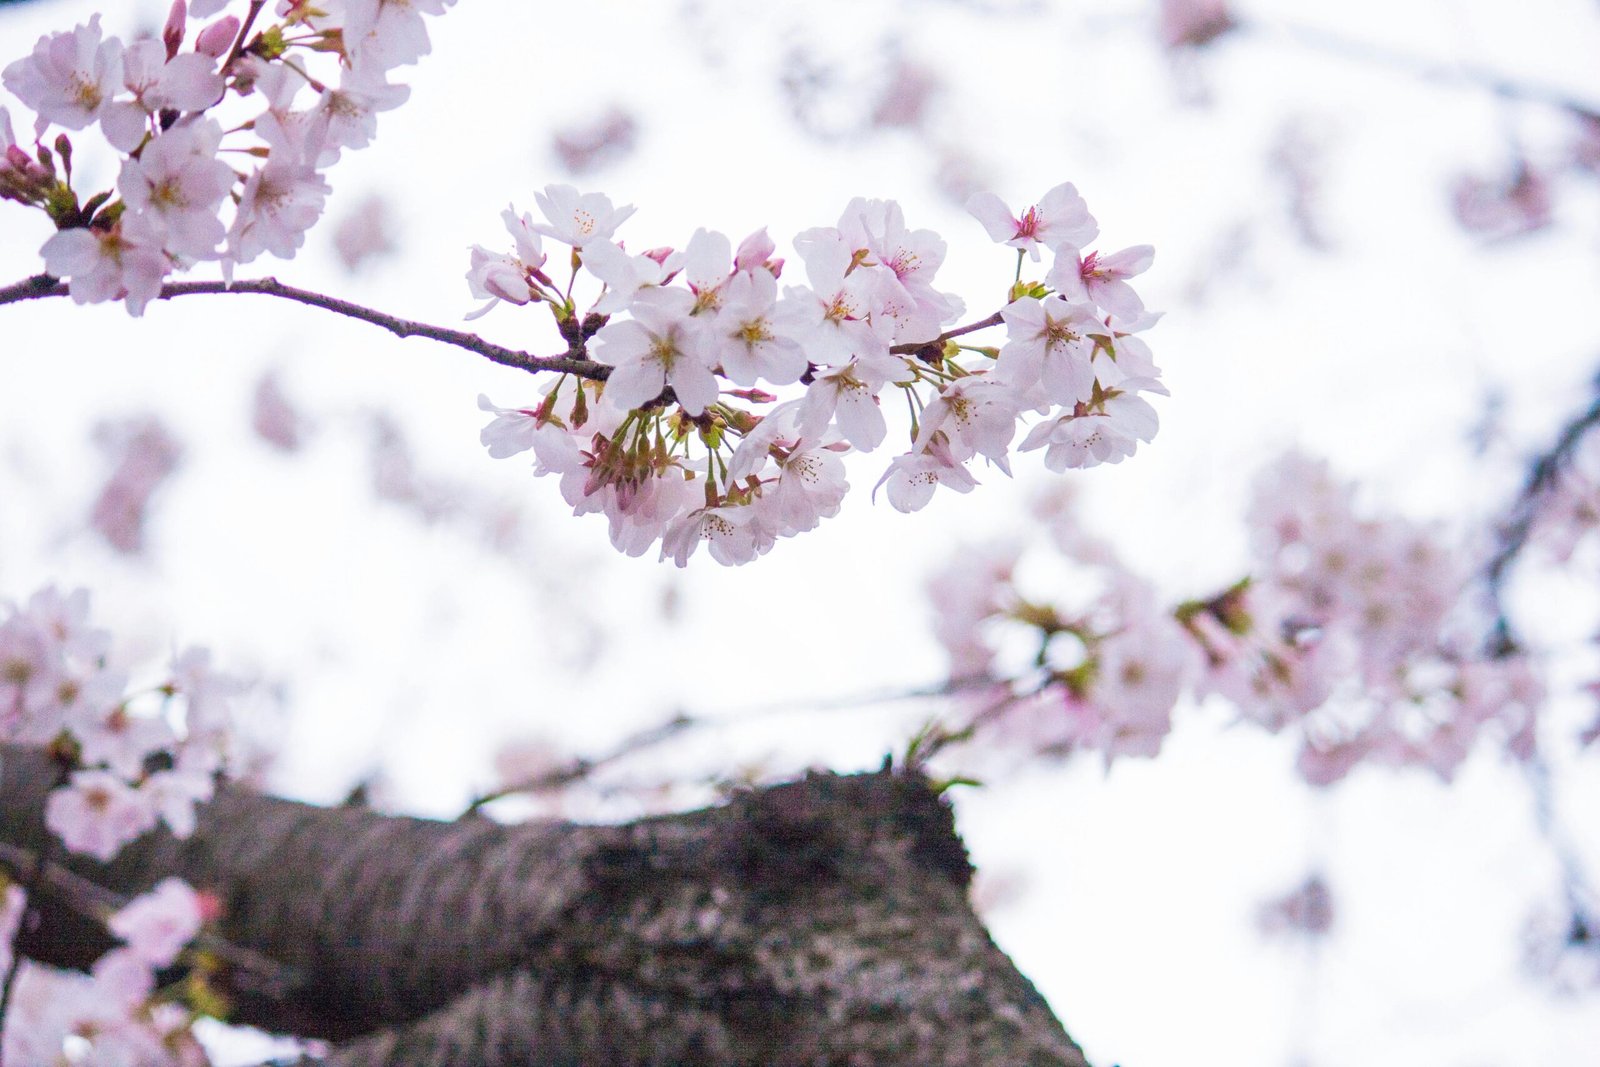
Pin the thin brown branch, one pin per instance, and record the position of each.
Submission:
(579, 768)
(43, 286)
(971, 327)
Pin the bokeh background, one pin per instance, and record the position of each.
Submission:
(1378, 240)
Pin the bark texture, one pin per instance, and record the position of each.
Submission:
(820, 922)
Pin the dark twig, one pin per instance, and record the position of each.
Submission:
(581, 767)
(30, 914)
(971, 327)
(1543, 475)
(42, 286)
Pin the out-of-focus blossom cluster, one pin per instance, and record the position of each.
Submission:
(129, 760)
(589, 146)
(145, 454)
(118, 1013)
(729, 401)
(1306, 910)
(1505, 207)
(1359, 636)
(288, 96)
(1193, 23)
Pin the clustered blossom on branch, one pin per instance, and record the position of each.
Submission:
(727, 402)
(1362, 637)
(668, 423)
(128, 760)
(177, 117)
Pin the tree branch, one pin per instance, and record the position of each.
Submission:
(43, 286)
(823, 921)
(1443, 72)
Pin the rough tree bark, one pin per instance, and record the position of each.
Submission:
(820, 922)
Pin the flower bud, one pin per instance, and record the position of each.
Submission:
(177, 22)
(217, 38)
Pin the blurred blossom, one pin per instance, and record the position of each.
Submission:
(589, 146)
(274, 419)
(365, 233)
(145, 455)
(1497, 209)
(906, 96)
(1192, 23)
(1306, 910)
(1586, 147)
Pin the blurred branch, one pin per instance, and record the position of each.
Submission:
(1544, 472)
(43, 286)
(1443, 72)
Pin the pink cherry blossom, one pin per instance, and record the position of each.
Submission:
(178, 184)
(186, 82)
(912, 478)
(158, 924)
(1060, 217)
(1102, 280)
(96, 813)
(125, 262)
(654, 349)
(1051, 342)
(755, 336)
(1087, 440)
(69, 78)
(280, 201)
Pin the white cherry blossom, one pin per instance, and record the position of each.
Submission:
(577, 219)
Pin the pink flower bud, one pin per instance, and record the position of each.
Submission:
(177, 22)
(754, 251)
(218, 37)
(660, 255)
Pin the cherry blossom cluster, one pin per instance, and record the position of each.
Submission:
(1362, 637)
(129, 759)
(117, 1013)
(727, 403)
(288, 97)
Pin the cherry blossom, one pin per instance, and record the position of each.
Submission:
(1061, 217)
(1102, 280)
(97, 813)
(177, 183)
(576, 218)
(69, 78)
(187, 82)
(158, 924)
(1051, 343)
(125, 262)
(655, 349)
(1090, 438)
(280, 201)
(912, 478)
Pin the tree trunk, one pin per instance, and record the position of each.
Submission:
(819, 922)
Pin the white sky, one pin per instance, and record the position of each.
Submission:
(413, 650)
